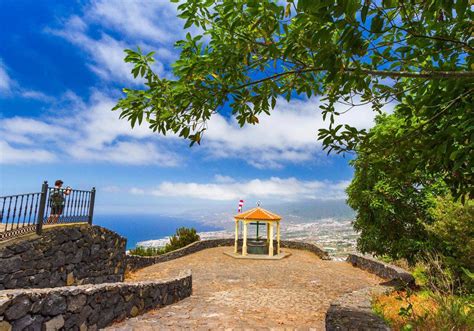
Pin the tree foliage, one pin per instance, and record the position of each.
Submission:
(183, 237)
(452, 235)
(403, 211)
(391, 198)
(417, 54)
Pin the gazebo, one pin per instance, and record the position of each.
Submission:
(256, 216)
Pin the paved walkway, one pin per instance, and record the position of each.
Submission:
(247, 294)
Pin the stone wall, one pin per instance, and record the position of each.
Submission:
(323, 255)
(353, 311)
(381, 269)
(87, 307)
(137, 262)
(62, 255)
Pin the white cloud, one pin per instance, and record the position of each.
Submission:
(132, 153)
(36, 95)
(289, 134)
(106, 53)
(152, 25)
(274, 188)
(137, 191)
(5, 80)
(223, 179)
(30, 131)
(151, 20)
(10, 87)
(111, 189)
(12, 155)
(93, 133)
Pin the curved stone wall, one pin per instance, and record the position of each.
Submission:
(87, 307)
(353, 311)
(135, 262)
(294, 244)
(63, 255)
(381, 269)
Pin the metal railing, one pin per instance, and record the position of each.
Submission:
(24, 213)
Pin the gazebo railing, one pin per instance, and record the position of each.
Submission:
(28, 212)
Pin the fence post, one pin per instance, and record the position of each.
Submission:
(42, 207)
(91, 207)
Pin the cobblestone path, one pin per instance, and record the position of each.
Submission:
(292, 293)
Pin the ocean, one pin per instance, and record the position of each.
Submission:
(335, 235)
(137, 228)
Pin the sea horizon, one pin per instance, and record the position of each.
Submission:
(334, 234)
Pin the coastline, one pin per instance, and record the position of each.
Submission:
(335, 236)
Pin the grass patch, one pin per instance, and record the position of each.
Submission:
(425, 310)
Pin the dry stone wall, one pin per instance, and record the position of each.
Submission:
(307, 246)
(63, 255)
(353, 311)
(381, 269)
(87, 307)
(135, 262)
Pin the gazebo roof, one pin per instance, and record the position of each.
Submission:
(258, 214)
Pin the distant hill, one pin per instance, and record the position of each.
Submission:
(297, 212)
(311, 210)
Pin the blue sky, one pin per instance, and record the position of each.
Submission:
(62, 70)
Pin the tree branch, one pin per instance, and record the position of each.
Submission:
(380, 73)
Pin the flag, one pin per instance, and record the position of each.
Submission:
(241, 204)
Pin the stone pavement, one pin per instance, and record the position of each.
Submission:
(228, 293)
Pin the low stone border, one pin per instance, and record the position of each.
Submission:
(135, 262)
(87, 307)
(381, 269)
(303, 245)
(353, 311)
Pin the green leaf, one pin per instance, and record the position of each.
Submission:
(377, 23)
(365, 10)
(461, 7)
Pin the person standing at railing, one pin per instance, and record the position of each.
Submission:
(57, 200)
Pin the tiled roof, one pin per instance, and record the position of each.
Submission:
(258, 214)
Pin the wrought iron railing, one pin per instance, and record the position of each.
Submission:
(23, 213)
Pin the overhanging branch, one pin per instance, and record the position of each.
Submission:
(380, 73)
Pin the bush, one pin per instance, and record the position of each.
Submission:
(452, 236)
(442, 303)
(146, 251)
(183, 237)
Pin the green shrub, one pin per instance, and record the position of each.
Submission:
(454, 312)
(452, 236)
(183, 237)
(146, 251)
(442, 303)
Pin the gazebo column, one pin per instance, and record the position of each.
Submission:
(244, 245)
(236, 236)
(278, 237)
(268, 233)
(270, 246)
